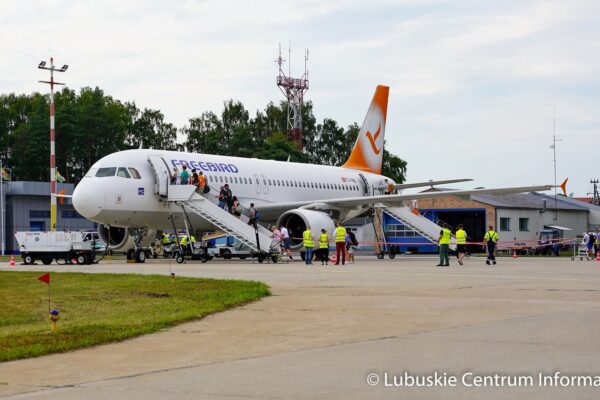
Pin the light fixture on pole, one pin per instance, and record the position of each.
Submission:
(51, 82)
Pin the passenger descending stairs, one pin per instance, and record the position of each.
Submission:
(207, 208)
(423, 226)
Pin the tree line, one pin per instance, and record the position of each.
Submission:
(91, 124)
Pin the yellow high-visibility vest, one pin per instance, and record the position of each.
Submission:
(445, 236)
(165, 238)
(323, 242)
(340, 234)
(308, 240)
(461, 236)
(491, 235)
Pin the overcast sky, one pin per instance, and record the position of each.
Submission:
(473, 83)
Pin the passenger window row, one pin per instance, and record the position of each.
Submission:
(282, 182)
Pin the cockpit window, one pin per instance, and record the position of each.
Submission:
(91, 172)
(122, 172)
(134, 173)
(104, 172)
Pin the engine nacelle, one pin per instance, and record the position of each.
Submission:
(296, 221)
(123, 239)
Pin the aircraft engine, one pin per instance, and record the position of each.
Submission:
(122, 239)
(296, 221)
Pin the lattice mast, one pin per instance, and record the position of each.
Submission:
(293, 89)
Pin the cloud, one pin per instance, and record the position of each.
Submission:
(473, 83)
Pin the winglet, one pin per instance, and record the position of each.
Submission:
(367, 154)
(563, 186)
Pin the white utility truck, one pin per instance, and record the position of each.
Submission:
(50, 246)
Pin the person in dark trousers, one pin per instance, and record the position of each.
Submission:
(444, 242)
(461, 244)
(252, 216)
(324, 247)
(228, 198)
(490, 239)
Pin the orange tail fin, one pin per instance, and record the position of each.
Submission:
(367, 154)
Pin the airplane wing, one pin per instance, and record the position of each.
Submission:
(392, 199)
(429, 183)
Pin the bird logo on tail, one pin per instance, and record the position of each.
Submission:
(366, 154)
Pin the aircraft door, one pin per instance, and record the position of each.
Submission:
(265, 184)
(366, 186)
(257, 187)
(161, 173)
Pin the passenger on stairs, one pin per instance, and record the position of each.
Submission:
(184, 176)
(252, 216)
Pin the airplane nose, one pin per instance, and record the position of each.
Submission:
(86, 201)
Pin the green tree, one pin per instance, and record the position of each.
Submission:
(150, 129)
(393, 167)
(277, 147)
(204, 134)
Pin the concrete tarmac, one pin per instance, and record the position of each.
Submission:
(351, 333)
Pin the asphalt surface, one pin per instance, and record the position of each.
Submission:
(361, 331)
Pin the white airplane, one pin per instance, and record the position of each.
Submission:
(120, 193)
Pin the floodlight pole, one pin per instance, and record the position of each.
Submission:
(51, 82)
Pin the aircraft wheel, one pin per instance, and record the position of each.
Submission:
(380, 256)
(140, 256)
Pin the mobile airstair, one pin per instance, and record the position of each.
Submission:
(259, 239)
(419, 224)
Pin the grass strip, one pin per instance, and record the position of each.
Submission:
(102, 308)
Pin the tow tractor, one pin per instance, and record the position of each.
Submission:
(51, 246)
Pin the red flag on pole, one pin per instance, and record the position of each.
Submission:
(45, 278)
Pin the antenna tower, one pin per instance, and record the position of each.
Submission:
(293, 89)
(595, 194)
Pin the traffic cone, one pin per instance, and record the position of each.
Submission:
(514, 254)
(12, 261)
(598, 256)
(333, 259)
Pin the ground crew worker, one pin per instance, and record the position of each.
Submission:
(444, 242)
(309, 245)
(490, 239)
(166, 240)
(461, 243)
(184, 242)
(339, 235)
(324, 247)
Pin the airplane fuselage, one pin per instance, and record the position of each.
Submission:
(120, 189)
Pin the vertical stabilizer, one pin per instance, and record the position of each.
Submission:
(367, 154)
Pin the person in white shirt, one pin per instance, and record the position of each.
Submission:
(287, 242)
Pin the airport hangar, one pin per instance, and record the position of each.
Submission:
(27, 206)
(516, 217)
